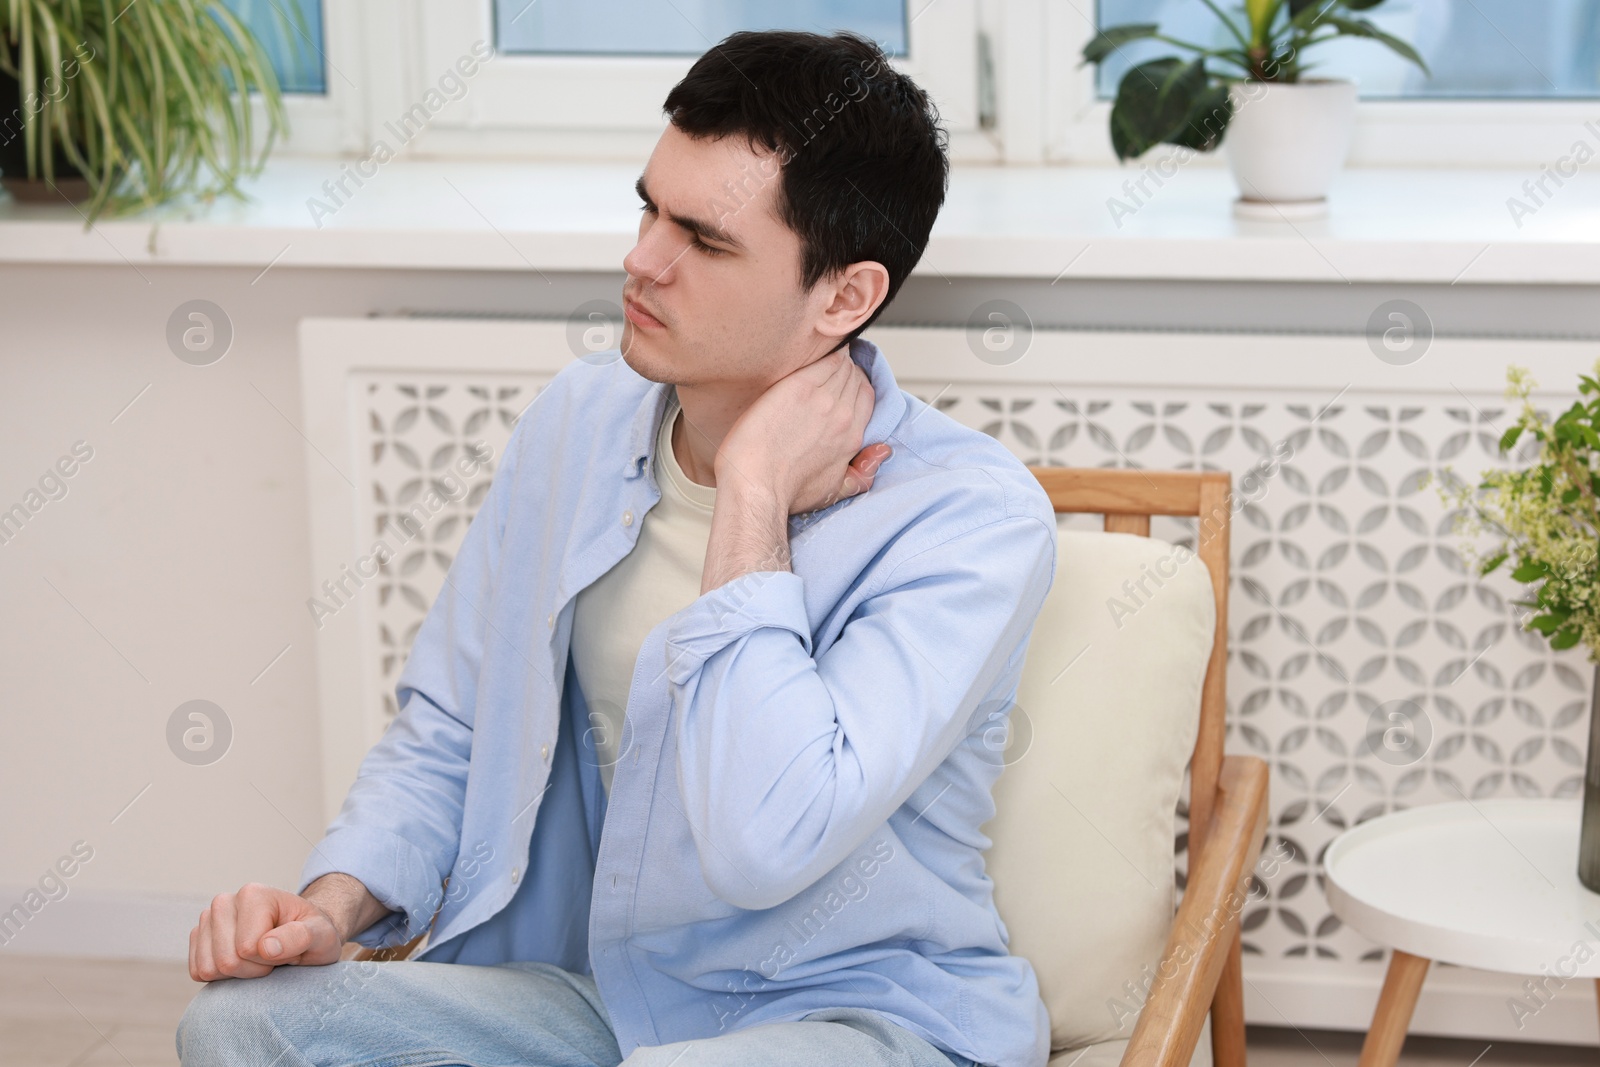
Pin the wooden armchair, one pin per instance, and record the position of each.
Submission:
(1123, 688)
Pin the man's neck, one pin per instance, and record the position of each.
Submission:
(708, 413)
(704, 420)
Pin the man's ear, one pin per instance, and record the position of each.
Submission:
(852, 296)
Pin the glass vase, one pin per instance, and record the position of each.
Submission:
(1589, 831)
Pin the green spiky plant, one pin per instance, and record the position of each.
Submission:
(1185, 101)
(147, 100)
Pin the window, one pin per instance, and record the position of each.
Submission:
(586, 78)
(1475, 49)
(1512, 79)
(320, 53)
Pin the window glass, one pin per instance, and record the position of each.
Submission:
(683, 27)
(291, 33)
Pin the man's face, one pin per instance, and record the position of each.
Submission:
(717, 270)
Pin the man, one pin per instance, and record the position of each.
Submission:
(788, 654)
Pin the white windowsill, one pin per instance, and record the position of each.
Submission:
(1387, 225)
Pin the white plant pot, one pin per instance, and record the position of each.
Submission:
(1285, 143)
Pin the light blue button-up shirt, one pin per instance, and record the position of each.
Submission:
(808, 758)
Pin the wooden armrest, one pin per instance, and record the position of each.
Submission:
(382, 955)
(1219, 883)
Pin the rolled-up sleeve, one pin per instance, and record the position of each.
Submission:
(400, 826)
(787, 763)
(399, 829)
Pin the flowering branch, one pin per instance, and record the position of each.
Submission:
(1547, 516)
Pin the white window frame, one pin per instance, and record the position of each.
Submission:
(333, 122)
(1389, 133)
(600, 107)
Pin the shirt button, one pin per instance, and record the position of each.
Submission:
(544, 752)
(551, 620)
(513, 874)
(627, 517)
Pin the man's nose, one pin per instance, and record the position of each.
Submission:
(656, 252)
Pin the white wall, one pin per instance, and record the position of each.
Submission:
(176, 567)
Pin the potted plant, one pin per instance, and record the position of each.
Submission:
(1546, 518)
(128, 105)
(1287, 134)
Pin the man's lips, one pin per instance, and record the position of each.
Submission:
(639, 316)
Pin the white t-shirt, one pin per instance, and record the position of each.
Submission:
(660, 577)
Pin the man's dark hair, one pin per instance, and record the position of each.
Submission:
(863, 170)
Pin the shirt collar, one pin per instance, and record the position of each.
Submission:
(889, 406)
(646, 425)
(889, 403)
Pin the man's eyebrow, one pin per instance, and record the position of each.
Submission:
(696, 226)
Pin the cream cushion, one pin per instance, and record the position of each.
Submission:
(1105, 722)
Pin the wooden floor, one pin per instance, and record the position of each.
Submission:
(1272, 1046)
(58, 1012)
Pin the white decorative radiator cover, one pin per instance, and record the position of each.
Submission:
(1347, 592)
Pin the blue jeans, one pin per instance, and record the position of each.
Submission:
(410, 1013)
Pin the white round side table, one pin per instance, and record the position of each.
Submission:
(1491, 884)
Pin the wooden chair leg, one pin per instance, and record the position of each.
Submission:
(1227, 1010)
(1398, 1000)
